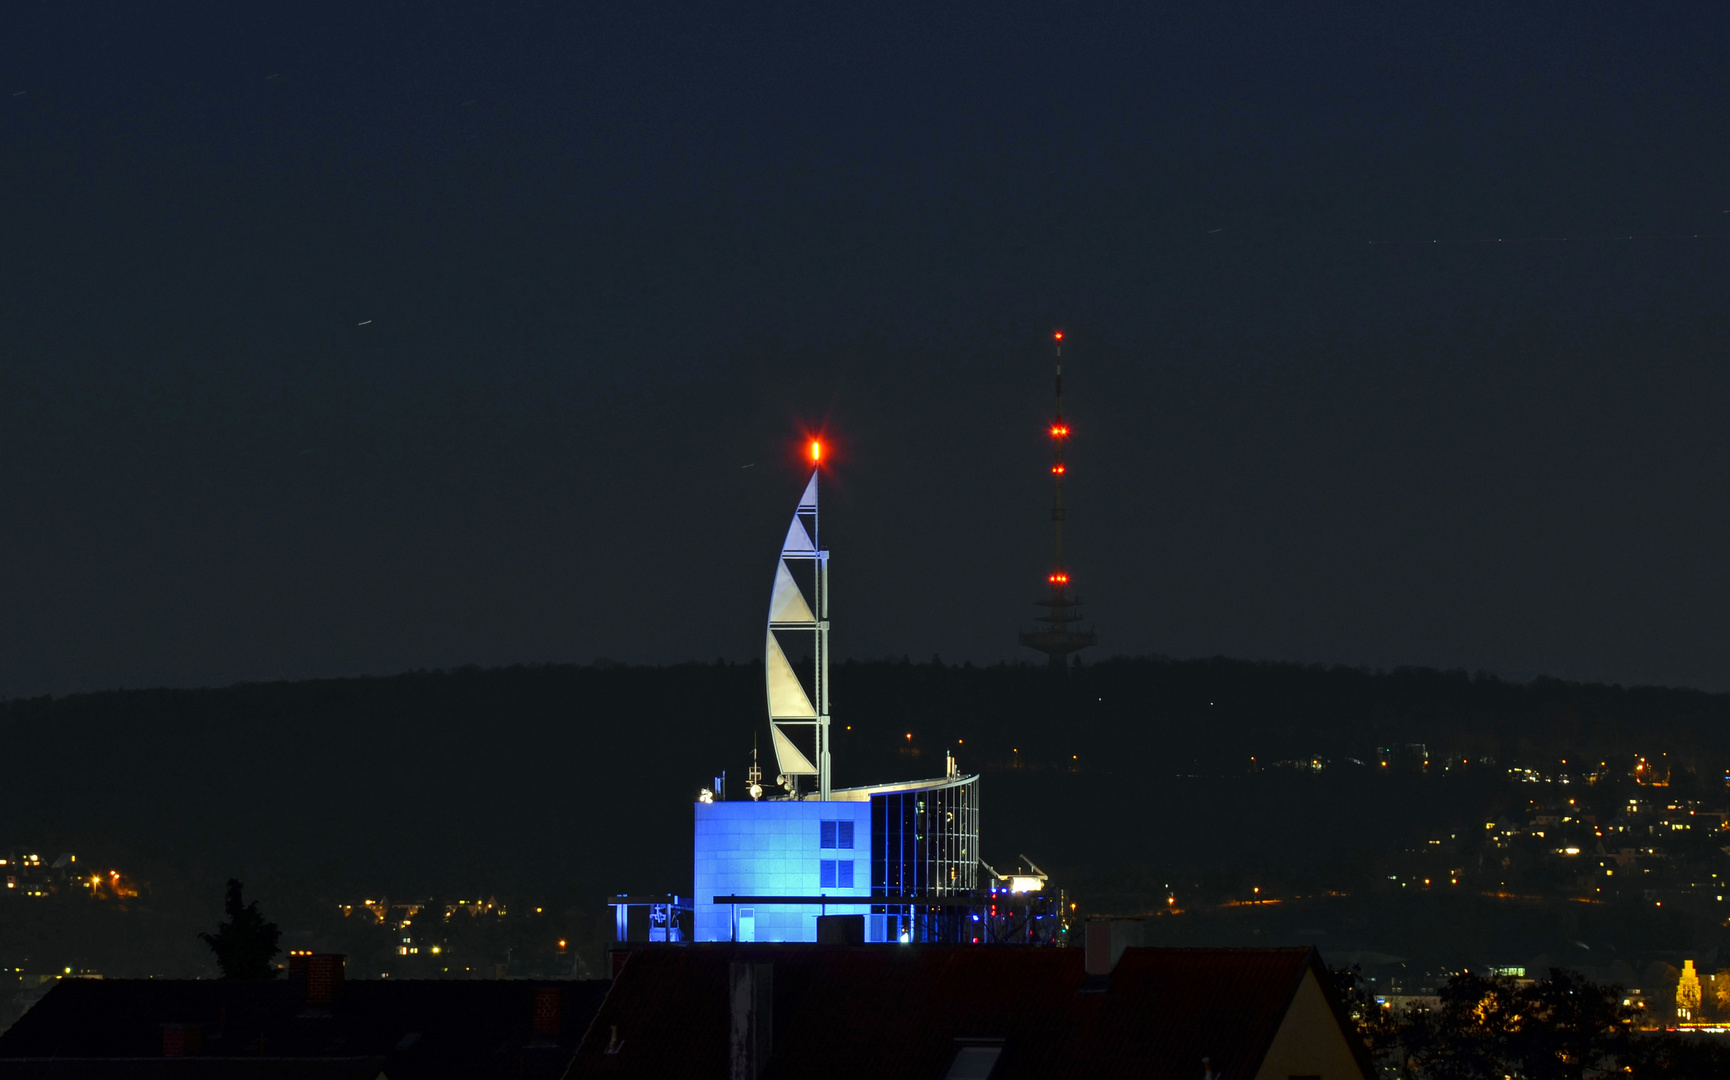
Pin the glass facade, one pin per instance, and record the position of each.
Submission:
(925, 843)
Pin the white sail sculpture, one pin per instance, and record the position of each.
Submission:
(793, 616)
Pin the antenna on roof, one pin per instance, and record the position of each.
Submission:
(754, 778)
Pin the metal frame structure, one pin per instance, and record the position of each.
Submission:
(995, 917)
(668, 918)
(791, 613)
(1062, 633)
(925, 848)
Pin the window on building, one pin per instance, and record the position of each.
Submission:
(836, 834)
(826, 874)
(835, 873)
(844, 874)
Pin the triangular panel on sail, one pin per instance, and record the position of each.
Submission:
(787, 602)
(808, 501)
(788, 757)
(786, 697)
(798, 540)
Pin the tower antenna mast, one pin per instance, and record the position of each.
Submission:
(1061, 633)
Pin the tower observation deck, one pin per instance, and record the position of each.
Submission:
(1060, 633)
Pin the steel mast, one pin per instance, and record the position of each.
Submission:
(1061, 634)
(820, 585)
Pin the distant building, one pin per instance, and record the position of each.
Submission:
(1688, 993)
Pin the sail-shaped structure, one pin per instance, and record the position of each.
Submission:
(799, 626)
(895, 862)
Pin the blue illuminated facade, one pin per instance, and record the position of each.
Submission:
(779, 848)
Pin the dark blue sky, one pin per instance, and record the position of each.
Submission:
(1364, 364)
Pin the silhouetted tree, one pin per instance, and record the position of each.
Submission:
(1562, 1028)
(245, 945)
(1465, 1039)
(1572, 1029)
(1379, 1027)
(1676, 1058)
(1720, 984)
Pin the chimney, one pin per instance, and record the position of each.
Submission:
(547, 1012)
(840, 929)
(1096, 956)
(179, 1040)
(323, 977)
(750, 996)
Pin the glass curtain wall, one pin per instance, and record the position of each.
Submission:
(925, 844)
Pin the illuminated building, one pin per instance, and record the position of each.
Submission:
(905, 856)
(1687, 992)
(1062, 633)
(778, 848)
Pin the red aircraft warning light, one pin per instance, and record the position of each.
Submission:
(1059, 578)
(1058, 469)
(816, 452)
(1059, 431)
(1057, 336)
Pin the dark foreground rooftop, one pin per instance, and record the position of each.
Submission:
(776, 1012)
(741, 1012)
(404, 1030)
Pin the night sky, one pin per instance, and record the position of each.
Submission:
(380, 336)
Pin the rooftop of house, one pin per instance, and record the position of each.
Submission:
(875, 1010)
(404, 1029)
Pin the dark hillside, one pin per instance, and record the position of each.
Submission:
(581, 776)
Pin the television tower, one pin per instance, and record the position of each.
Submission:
(1061, 633)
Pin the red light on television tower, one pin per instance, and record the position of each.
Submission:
(1060, 632)
(816, 451)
